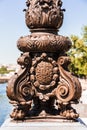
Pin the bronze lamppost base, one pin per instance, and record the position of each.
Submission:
(44, 87)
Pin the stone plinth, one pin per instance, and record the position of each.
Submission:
(44, 124)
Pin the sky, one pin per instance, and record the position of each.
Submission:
(12, 25)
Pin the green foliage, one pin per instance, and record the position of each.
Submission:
(84, 33)
(78, 54)
(3, 70)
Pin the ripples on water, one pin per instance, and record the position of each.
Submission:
(5, 107)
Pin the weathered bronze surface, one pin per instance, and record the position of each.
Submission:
(44, 87)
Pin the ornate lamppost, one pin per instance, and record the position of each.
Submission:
(43, 85)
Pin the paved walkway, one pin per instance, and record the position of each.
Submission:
(80, 125)
(83, 98)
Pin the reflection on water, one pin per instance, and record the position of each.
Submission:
(5, 107)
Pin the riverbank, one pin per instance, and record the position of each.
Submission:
(4, 79)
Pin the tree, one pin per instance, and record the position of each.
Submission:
(84, 33)
(78, 54)
(4, 70)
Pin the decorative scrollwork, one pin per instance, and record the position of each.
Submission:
(23, 89)
(69, 88)
(19, 87)
(64, 92)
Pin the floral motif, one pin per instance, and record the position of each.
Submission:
(43, 13)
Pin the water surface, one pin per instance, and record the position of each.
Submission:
(5, 107)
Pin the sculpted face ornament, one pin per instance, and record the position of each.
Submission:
(43, 82)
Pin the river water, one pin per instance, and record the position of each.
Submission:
(5, 107)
